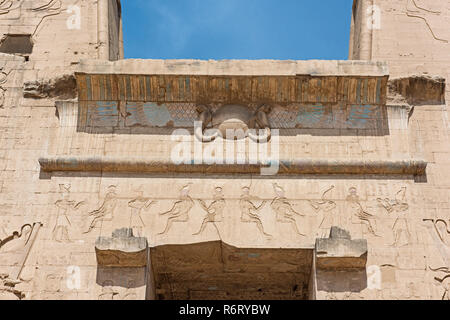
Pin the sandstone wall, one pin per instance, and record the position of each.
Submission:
(50, 221)
(412, 36)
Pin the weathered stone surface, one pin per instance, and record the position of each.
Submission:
(122, 250)
(417, 90)
(355, 151)
(61, 88)
(288, 167)
(339, 251)
(236, 67)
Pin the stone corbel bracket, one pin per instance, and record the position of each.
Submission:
(417, 90)
(416, 168)
(340, 252)
(122, 250)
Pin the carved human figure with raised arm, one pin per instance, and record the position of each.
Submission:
(250, 212)
(180, 209)
(284, 210)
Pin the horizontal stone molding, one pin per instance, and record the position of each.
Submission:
(236, 67)
(286, 167)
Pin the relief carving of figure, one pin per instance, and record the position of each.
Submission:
(108, 291)
(130, 293)
(7, 288)
(326, 207)
(413, 10)
(20, 243)
(285, 213)
(106, 210)
(65, 206)
(137, 205)
(214, 212)
(6, 6)
(49, 8)
(443, 281)
(3, 79)
(362, 216)
(250, 212)
(17, 241)
(180, 210)
(442, 230)
(398, 206)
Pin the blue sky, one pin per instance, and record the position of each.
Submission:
(237, 29)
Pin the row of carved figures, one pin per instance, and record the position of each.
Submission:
(250, 210)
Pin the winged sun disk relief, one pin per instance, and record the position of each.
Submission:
(235, 118)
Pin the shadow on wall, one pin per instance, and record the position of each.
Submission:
(118, 283)
(342, 281)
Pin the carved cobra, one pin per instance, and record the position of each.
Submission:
(258, 120)
(205, 117)
(262, 121)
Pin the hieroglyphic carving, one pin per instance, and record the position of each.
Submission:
(19, 244)
(130, 293)
(3, 79)
(53, 282)
(106, 210)
(398, 206)
(359, 212)
(442, 230)
(7, 288)
(17, 241)
(250, 212)
(285, 213)
(443, 280)
(418, 12)
(326, 207)
(110, 292)
(52, 8)
(214, 212)
(180, 209)
(137, 205)
(7, 6)
(65, 206)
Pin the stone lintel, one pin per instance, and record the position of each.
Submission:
(339, 251)
(286, 167)
(121, 250)
(234, 81)
(236, 67)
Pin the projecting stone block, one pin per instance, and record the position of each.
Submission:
(339, 251)
(121, 250)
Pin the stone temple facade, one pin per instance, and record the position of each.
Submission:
(117, 181)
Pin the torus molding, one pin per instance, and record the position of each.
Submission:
(414, 168)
